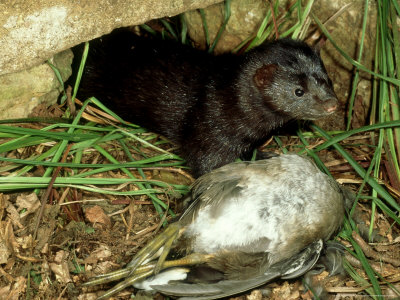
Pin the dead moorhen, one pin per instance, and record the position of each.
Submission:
(249, 223)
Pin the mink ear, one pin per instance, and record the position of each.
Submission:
(265, 75)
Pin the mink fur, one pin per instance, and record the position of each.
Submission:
(217, 108)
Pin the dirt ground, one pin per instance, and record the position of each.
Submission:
(80, 234)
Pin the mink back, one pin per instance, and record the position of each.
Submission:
(160, 85)
(216, 107)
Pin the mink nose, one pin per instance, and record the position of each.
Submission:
(330, 108)
(242, 230)
(330, 105)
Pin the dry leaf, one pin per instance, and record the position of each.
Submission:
(96, 214)
(13, 214)
(3, 204)
(29, 202)
(5, 246)
(88, 296)
(4, 253)
(17, 289)
(60, 267)
(5, 290)
(7, 235)
(103, 251)
(104, 267)
(25, 241)
(255, 295)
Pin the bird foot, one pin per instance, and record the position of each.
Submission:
(142, 265)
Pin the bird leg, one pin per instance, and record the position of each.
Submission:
(163, 241)
(138, 269)
(142, 272)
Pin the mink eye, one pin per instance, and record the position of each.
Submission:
(299, 92)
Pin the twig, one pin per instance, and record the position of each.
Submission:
(46, 195)
(93, 110)
(163, 217)
(62, 292)
(8, 277)
(26, 258)
(356, 263)
(345, 289)
(274, 19)
(131, 209)
(372, 253)
(169, 169)
(63, 196)
(71, 105)
(144, 231)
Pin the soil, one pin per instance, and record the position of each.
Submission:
(81, 234)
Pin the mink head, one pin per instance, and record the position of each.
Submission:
(291, 79)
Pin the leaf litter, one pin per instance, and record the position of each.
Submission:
(83, 233)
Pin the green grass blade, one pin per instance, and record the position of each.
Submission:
(227, 15)
(371, 181)
(348, 58)
(357, 73)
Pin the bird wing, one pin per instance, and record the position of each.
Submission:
(226, 182)
(216, 290)
(291, 268)
(212, 188)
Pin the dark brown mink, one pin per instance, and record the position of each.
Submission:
(218, 108)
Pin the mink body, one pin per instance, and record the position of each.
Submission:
(217, 108)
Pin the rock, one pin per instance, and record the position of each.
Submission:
(33, 31)
(246, 17)
(21, 92)
(346, 31)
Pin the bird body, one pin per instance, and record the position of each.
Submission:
(274, 208)
(249, 222)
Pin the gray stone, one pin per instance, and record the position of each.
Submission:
(247, 15)
(346, 31)
(33, 31)
(21, 92)
(246, 18)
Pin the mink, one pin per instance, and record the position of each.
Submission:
(217, 108)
